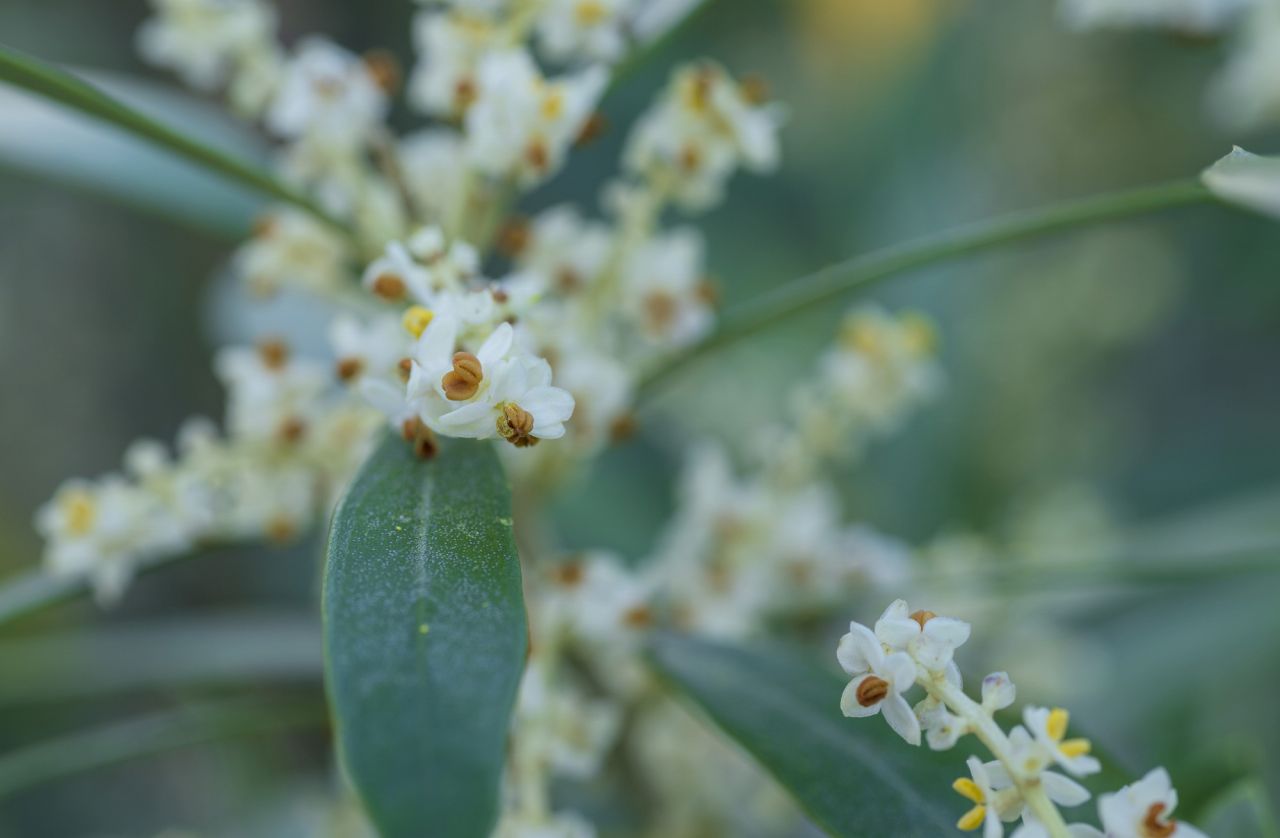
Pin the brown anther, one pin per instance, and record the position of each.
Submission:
(708, 293)
(690, 158)
(384, 68)
(409, 429)
(567, 280)
(537, 156)
(281, 530)
(872, 690)
(264, 225)
(422, 438)
(464, 379)
(464, 93)
(755, 89)
(388, 287)
(274, 354)
(514, 236)
(800, 572)
(922, 617)
(349, 368)
(660, 308)
(569, 574)
(638, 617)
(500, 295)
(515, 425)
(592, 129)
(292, 429)
(623, 427)
(1154, 826)
(405, 368)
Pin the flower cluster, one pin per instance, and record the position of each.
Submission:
(1245, 93)
(1035, 762)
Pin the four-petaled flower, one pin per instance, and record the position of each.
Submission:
(879, 680)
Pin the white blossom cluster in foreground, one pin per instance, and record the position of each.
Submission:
(1246, 91)
(1031, 775)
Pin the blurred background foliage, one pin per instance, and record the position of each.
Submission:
(1111, 394)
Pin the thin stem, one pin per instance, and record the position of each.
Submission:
(55, 84)
(862, 272)
(152, 734)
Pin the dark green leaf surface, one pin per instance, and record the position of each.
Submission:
(425, 637)
(854, 777)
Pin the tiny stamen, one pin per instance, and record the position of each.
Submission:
(872, 690)
(349, 368)
(1154, 826)
(515, 425)
(463, 381)
(274, 354)
(389, 287)
(923, 617)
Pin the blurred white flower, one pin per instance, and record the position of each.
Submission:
(879, 680)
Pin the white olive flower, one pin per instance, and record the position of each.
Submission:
(926, 637)
(591, 29)
(370, 348)
(291, 249)
(397, 276)
(328, 95)
(559, 726)
(942, 728)
(521, 125)
(1144, 810)
(665, 291)
(271, 395)
(568, 250)
(205, 40)
(1049, 728)
(878, 683)
(450, 46)
(434, 167)
(1030, 758)
(998, 692)
(977, 789)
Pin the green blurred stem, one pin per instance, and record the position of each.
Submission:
(52, 83)
(862, 272)
(38, 589)
(151, 734)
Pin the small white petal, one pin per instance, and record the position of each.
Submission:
(897, 712)
(849, 700)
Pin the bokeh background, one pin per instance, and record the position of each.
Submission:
(1112, 396)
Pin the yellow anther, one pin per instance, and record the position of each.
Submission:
(972, 819)
(921, 337)
(1056, 726)
(416, 319)
(590, 12)
(80, 512)
(862, 336)
(969, 789)
(552, 105)
(1073, 748)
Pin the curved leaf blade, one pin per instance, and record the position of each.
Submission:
(425, 636)
(853, 777)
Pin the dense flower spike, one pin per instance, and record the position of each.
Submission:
(903, 653)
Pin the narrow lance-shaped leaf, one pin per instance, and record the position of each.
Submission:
(425, 637)
(853, 777)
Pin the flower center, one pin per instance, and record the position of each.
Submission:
(923, 617)
(872, 690)
(388, 286)
(515, 425)
(274, 354)
(1155, 826)
(80, 512)
(464, 379)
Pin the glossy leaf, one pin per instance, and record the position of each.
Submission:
(853, 777)
(425, 636)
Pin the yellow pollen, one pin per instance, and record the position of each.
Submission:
(862, 336)
(921, 337)
(1073, 748)
(1056, 726)
(416, 319)
(552, 105)
(969, 789)
(590, 12)
(973, 818)
(80, 511)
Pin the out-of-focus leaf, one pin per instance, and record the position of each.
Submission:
(1242, 811)
(854, 777)
(39, 136)
(425, 636)
(151, 734)
(235, 648)
(57, 85)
